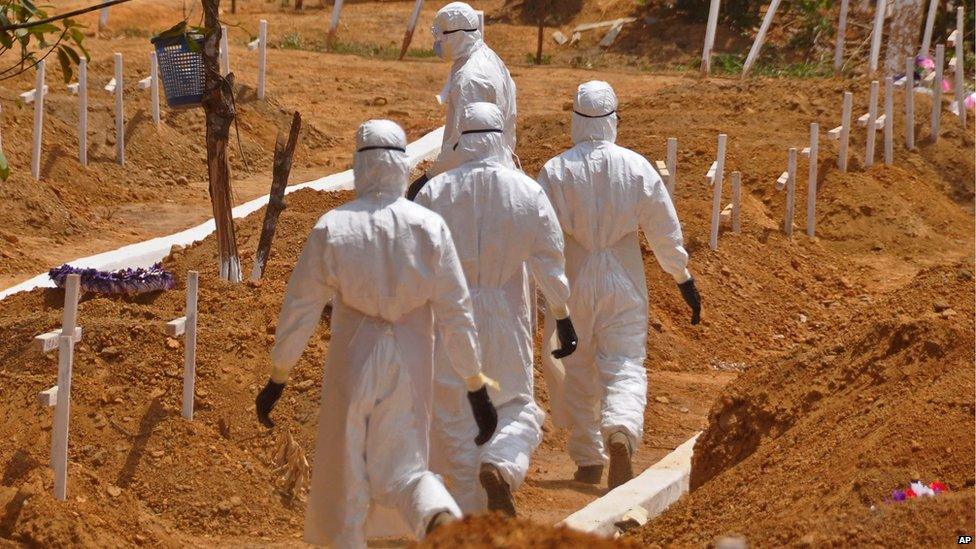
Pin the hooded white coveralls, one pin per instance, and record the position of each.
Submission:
(602, 193)
(477, 74)
(390, 269)
(500, 220)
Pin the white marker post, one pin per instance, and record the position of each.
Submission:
(83, 112)
(717, 192)
(909, 103)
(845, 131)
(879, 16)
(154, 86)
(812, 180)
(960, 69)
(103, 17)
(672, 164)
(190, 352)
(760, 38)
(62, 413)
(736, 202)
(334, 24)
(262, 55)
(790, 193)
(706, 60)
(929, 23)
(224, 53)
(937, 92)
(889, 130)
(38, 121)
(119, 112)
(66, 341)
(841, 34)
(872, 125)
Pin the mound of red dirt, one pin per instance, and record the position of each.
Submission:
(810, 447)
(494, 531)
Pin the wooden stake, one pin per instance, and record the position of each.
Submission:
(103, 17)
(909, 103)
(119, 112)
(717, 192)
(411, 25)
(845, 132)
(154, 86)
(937, 92)
(83, 112)
(38, 121)
(736, 202)
(760, 38)
(218, 106)
(790, 193)
(262, 55)
(841, 35)
(224, 52)
(706, 61)
(960, 71)
(672, 163)
(929, 23)
(872, 124)
(812, 180)
(879, 16)
(62, 414)
(889, 147)
(279, 180)
(69, 314)
(190, 341)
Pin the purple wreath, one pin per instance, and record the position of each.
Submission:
(123, 281)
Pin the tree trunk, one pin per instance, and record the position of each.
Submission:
(218, 104)
(903, 34)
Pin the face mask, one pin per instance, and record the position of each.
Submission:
(439, 49)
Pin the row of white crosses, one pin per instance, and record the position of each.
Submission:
(114, 86)
(64, 340)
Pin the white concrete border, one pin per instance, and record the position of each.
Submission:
(144, 254)
(653, 490)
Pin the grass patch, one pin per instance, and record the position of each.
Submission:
(546, 59)
(730, 64)
(295, 41)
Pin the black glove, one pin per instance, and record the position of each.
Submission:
(266, 400)
(690, 294)
(414, 189)
(484, 414)
(567, 338)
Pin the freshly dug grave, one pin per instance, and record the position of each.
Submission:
(809, 448)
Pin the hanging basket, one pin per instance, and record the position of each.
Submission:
(181, 69)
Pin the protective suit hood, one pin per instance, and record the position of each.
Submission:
(595, 113)
(458, 30)
(482, 134)
(380, 165)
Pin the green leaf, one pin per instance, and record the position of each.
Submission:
(72, 54)
(176, 30)
(4, 167)
(65, 61)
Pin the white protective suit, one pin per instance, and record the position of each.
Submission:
(390, 269)
(500, 220)
(477, 74)
(602, 193)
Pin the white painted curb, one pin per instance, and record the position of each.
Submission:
(653, 490)
(144, 254)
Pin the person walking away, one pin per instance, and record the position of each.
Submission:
(392, 273)
(477, 75)
(602, 193)
(501, 221)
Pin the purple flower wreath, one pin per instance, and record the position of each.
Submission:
(123, 281)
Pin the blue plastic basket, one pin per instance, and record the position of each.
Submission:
(181, 70)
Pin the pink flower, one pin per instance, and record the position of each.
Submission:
(970, 101)
(925, 62)
(946, 85)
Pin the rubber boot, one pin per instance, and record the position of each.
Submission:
(621, 470)
(589, 474)
(438, 520)
(498, 491)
